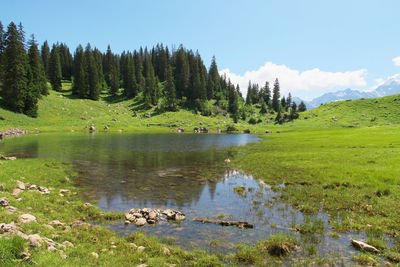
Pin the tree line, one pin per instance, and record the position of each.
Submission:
(162, 78)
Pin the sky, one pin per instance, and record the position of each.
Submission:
(311, 46)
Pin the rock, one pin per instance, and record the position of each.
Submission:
(148, 115)
(166, 251)
(180, 130)
(16, 192)
(11, 132)
(152, 215)
(231, 129)
(127, 222)
(133, 245)
(44, 190)
(95, 255)
(360, 245)
(27, 218)
(79, 224)
(11, 209)
(87, 204)
(268, 132)
(130, 217)
(20, 185)
(4, 202)
(56, 223)
(2, 188)
(200, 130)
(64, 191)
(68, 244)
(33, 187)
(106, 127)
(141, 248)
(247, 131)
(92, 128)
(63, 256)
(51, 248)
(140, 221)
(142, 265)
(35, 240)
(179, 217)
(7, 158)
(227, 160)
(8, 227)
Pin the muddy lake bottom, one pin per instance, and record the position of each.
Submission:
(186, 173)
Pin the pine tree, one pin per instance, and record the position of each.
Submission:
(182, 74)
(130, 84)
(278, 118)
(55, 74)
(169, 90)
(283, 103)
(15, 70)
(138, 71)
(45, 54)
(2, 46)
(288, 101)
(293, 111)
(302, 107)
(150, 90)
(276, 96)
(80, 81)
(213, 85)
(92, 74)
(263, 109)
(37, 81)
(249, 97)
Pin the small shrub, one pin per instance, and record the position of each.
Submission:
(246, 255)
(279, 245)
(10, 250)
(365, 259)
(253, 121)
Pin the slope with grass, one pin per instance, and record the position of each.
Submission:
(352, 113)
(61, 111)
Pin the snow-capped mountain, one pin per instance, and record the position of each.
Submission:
(389, 87)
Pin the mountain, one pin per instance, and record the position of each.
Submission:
(390, 87)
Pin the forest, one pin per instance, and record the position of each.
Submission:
(163, 79)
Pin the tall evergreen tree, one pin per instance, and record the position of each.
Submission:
(2, 46)
(169, 90)
(289, 101)
(37, 83)
(55, 74)
(92, 74)
(45, 54)
(150, 93)
(213, 85)
(80, 84)
(15, 64)
(302, 107)
(138, 71)
(182, 74)
(130, 84)
(276, 96)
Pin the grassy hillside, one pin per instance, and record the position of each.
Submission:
(60, 111)
(353, 113)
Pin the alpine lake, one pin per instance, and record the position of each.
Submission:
(184, 172)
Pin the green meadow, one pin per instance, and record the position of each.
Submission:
(341, 158)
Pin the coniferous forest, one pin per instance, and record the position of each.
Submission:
(162, 78)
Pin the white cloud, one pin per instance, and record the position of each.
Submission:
(313, 82)
(396, 61)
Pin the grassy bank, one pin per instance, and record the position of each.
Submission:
(351, 174)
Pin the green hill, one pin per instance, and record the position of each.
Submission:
(353, 113)
(60, 111)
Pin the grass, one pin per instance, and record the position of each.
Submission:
(340, 158)
(61, 111)
(112, 249)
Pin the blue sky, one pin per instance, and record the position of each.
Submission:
(312, 46)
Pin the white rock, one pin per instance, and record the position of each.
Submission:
(140, 221)
(141, 248)
(27, 218)
(34, 240)
(20, 185)
(94, 254)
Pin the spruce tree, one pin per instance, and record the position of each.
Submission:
(169, 90)
(276, 96)
(150, 90)
(55, 74)
(45, 54)
(263, 109)
(2, 46)
(37, 81)
(80, 83)
(91, 74)
(213, 85)
(14, 78)
(138, 71)
(288, 101)
(302, 107)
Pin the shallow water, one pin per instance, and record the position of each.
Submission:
(184, 172)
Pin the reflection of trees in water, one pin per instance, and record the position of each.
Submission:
(157, 178)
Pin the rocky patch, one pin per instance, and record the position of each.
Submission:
(140, 217)
(11, 133)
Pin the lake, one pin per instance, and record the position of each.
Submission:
(185, 172)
